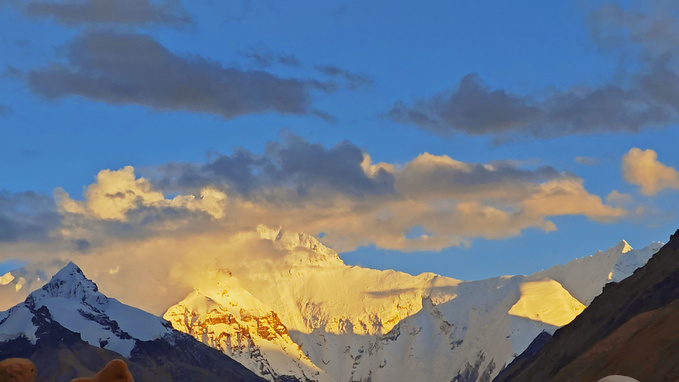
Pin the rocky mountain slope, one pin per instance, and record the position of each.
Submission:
(69, 329)
(308, 315)
(629, 329)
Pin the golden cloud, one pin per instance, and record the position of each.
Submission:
(642, 168)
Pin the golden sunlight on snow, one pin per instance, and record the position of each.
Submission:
(546, 301)
(6, 278)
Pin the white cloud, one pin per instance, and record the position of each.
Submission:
(454, 202)
(569, 197)
(588, 161)
(134, 233)
(116, 192)
(618, 198)
(642, 168)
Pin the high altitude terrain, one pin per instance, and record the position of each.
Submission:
(305, 315)
(311, 316)
(630, 329)
(69, 329)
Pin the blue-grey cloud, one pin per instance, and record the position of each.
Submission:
(11, 72)
(475, 109)
(264, 58)
(655, 29)
(26, 216)
(5, 110)
(128, 12)
(294, 164)
(127, 68)
(632, 101)
(354, 80)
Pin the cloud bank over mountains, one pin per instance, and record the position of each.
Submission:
(337, 192)
(81, 60)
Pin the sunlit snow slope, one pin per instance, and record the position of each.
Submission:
(351, 323)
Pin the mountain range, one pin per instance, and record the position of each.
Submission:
(308, 316)
(358, 324)
(69, 329)
(629, 329)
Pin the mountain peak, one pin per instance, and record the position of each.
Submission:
(70, 282)
(68, 271)
(291, 242)
(623, 246)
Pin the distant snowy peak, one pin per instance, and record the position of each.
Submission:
(71, 283)
(312, 317)
(74, 302)
(584, 278)
(300, 247)
(623, 247)
(16, 284)
(68, 328)
(631, 260)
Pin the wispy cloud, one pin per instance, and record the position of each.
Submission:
(127, 12)
(295, 165)
(473, 108)
(5, 110)
(27, 216)
(634, 100)
(354, 80)
(129, 68)
(588, 161)
(264, 58)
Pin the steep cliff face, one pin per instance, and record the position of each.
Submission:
(628, 329)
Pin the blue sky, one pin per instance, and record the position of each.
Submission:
(277, 106)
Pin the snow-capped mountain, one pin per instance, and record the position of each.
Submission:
(102, 321)
(632, 260)
(358, 324)
(70, 314)
(629, 329)
(230, 319)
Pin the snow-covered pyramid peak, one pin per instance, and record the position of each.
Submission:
(622, 247)
(300, 246)
(69, 328)
(74, 302)
(70, 282)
